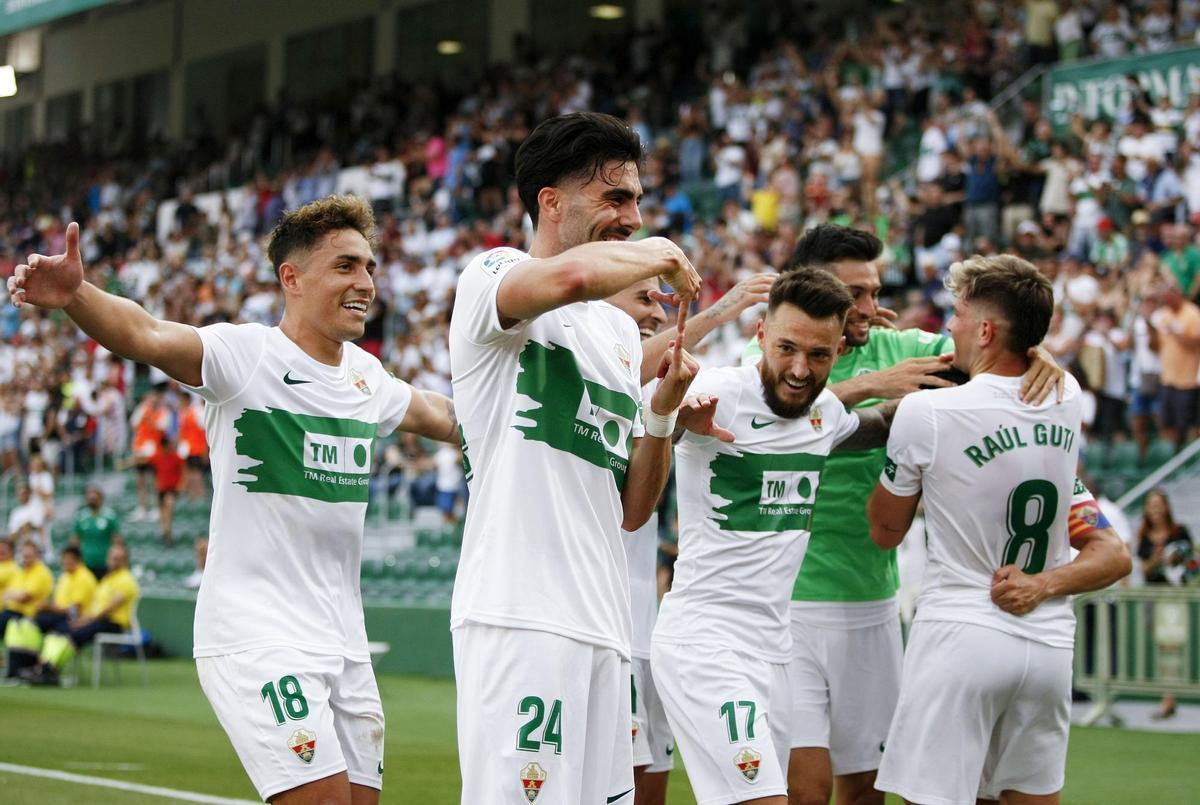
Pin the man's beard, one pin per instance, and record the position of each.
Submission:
(780, 407)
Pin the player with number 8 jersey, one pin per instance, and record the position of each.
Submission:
(994, 629)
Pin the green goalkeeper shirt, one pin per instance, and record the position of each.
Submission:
(842, 564)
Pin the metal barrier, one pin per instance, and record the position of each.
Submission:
(1136, 640)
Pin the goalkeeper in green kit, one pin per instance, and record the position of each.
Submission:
(845, 670)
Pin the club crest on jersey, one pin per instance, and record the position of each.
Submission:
(814, 418)
(623, 356)
(359, 381)
(533, 777)
(304, 744)
(747, 762)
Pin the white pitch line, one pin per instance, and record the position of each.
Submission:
(121, 785)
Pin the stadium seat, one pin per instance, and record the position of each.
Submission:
(132, 637)
(1123, 461)
(1160, 452)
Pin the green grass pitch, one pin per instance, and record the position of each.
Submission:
(166, 735)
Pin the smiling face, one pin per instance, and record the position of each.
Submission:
(641, 307)
(798, 354)
(331, 286)
(863, 281)
(604, 207)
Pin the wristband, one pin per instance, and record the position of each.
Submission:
(661, 426)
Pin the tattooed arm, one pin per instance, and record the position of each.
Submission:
(431, 415)
(746, 293)
(874, 424)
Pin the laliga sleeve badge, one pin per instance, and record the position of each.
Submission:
(304, 744)
(533, 777)
(623, 356)
(747, 762)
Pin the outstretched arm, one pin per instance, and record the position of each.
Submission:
(591, 271)
(890, 516)
(745, 294)
(120, 325)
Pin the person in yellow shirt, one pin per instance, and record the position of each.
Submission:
(110, 610)
(8, 566)
(29, 590)
(72, 594)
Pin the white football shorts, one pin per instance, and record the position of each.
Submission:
(981, 712)
(542, 719)
(295, 717)
(730, 715)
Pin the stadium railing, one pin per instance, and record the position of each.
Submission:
(1139, 641)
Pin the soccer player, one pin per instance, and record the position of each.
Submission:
(547, 381)
(292, 415)
(985, 698)
(721, 647)
(844, 612)
(653, 745)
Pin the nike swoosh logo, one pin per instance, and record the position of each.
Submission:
(670, 749)
(381, 767)
(754, 423)
(291, 381)
(619, 796)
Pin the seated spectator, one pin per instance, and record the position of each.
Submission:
(97, 528)
(28, 520)
(31, 588)
(110, 612)
(72, 593)
(8, 567)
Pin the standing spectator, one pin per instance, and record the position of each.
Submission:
(1163, 191)
(28, 521)
(1040, 16)
(1182, 257)
(1163, 547)
(41, 483)
(193, 446)
(1112, 344)
(1068, 32)
(1112, 36)
(1178, 326)
(448, 461)
(1156, 29)
(96, 529)
(151, 421)
(982, 211)
(1111, 248)
(168, 478)
(730, 159)
(8, 567)
(1146, 370)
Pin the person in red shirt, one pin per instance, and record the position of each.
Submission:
(168, 478)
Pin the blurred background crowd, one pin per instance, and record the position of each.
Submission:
(754, 130)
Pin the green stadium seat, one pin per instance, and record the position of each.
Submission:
(1160, 452)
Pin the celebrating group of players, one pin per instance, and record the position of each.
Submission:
(775, 661)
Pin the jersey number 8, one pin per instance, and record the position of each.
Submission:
(1036, 501)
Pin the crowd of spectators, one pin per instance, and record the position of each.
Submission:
(749, 140)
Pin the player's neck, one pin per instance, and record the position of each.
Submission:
(312, 343)
(1004, 364)
(545, 243)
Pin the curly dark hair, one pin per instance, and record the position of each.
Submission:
(300, 229)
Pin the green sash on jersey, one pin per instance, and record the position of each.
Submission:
(842, 564)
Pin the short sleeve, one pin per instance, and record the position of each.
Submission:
(1085, 515)
(910, 446)
(231, 354)
(846, 423)
(475, 313)
(397, 399)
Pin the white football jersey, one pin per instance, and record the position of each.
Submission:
(744, 514)
(998, 480)
(290, 441)
(549, 409)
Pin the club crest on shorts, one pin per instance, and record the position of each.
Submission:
(304, 744)
(747, 762)
(623, 355)
(359, 382)
(533, 777)
(814, 418)
(635, 730)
